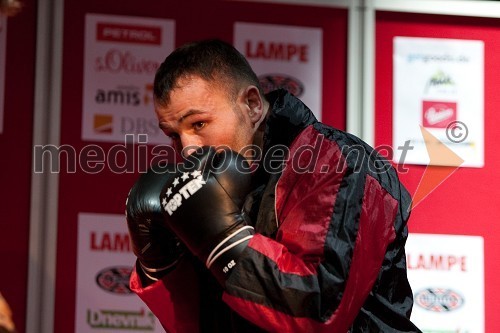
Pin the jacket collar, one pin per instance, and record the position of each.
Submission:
(288, 116)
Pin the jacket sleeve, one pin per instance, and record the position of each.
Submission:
(178, 288)
(335, 224)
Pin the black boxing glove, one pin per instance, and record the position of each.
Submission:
(202, 204)
(155, 246)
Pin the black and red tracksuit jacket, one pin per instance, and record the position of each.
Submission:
(328, 255)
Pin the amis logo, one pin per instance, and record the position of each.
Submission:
(270, 82)
(438, 299)
(125, 96)
(121, 95)
(121, 320)
(115, 279)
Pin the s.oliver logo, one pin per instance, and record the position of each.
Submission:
(115, 279)
(119, 61)
(270, 82)
(438, 299)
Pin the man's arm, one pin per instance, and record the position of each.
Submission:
(174, 299)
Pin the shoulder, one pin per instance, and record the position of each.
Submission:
(348, 151)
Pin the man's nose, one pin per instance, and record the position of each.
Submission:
(189, 145)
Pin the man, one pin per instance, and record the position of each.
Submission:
(10, 7)
(311, 241)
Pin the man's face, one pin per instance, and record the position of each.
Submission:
(202, 114)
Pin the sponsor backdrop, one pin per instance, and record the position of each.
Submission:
(109, 56)
(437, 83)
(285, 57)
(446, 274)
(3, 52)
(432, 70)
(121, 57)
(104, 301)
(465, 204)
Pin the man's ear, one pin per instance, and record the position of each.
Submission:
(254, 103)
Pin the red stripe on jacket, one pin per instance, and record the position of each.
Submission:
(301, 229)
(177, 309)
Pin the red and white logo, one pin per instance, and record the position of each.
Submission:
(126, 33)
(115, 279)
(438, 114)
(438, 299)
(270, 82)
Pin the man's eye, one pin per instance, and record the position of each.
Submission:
(199, 125)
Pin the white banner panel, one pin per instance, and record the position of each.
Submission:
(439, 85)
(285, 57)
(3, 54)
(121, 57)
(446, 274)
(104, 302)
